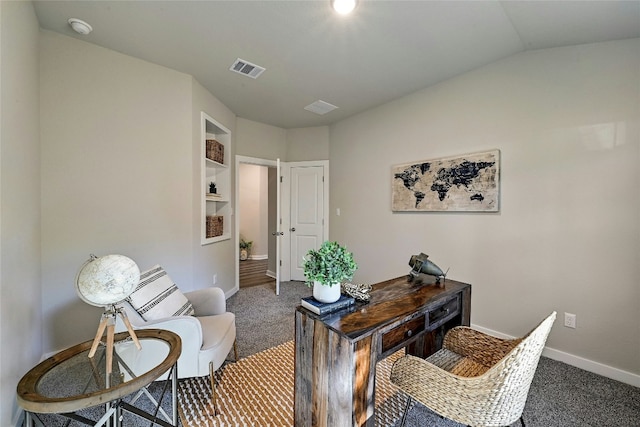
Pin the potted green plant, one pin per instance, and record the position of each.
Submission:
(245, 249)
(326, 268)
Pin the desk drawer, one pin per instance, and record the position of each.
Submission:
(443, 313)
(400, 334)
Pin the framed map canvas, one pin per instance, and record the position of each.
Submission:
(468, 183)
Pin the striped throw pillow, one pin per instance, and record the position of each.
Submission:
(157, 297)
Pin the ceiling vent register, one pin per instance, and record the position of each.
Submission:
(246, 68)
(320, 107)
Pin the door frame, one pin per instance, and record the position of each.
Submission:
(250, 161)
(285, 211)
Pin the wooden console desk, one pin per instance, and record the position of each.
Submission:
(336, 355)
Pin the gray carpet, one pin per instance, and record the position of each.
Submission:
(264, 319)
(560, 396)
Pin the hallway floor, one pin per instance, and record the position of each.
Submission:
(254, 272)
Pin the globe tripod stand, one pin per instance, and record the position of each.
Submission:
(108, 322)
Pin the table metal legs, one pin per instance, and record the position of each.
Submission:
(113, 410)
(174, 393)
(173, 374)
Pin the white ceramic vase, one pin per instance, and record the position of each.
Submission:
(325, 293)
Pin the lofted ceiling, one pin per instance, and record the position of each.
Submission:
(382, 51)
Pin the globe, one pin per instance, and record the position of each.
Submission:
(107, 280)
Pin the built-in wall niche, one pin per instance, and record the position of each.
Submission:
(215, 146)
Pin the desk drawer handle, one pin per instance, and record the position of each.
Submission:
(440, 313)
(409, 333)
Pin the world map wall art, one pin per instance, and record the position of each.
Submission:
(468, 183)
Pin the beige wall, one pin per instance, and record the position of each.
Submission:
(254, 139)
(120, 174)
(567, 234)
(308, 144)
(268, 142)
(217, 258)
(117, 173)
(20, 308)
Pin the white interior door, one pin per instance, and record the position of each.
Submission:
(278, 232)
(307, 223)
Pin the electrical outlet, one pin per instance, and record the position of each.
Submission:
(215, 279)
(570, 320)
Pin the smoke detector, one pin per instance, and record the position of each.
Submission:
(79, 26)
(246, 68)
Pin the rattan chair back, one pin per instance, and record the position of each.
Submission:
(476, 379)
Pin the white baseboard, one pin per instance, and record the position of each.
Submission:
(231, 292)
(591, 366)
(271, 274)
(577, 361)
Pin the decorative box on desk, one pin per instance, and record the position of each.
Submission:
(344, 347)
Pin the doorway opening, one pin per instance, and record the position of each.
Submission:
(293, 217)
(257, 186)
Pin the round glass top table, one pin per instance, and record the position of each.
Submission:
(70, 381)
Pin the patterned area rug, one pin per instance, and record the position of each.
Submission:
(258, 391)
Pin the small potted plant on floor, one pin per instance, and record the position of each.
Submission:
(326, 268)
(245, 249)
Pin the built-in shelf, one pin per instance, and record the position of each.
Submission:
(213, 164)
(219, 173)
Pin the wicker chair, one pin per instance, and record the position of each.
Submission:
(475, 379)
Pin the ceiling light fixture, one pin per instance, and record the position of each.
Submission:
(344, 7)
(79, 26)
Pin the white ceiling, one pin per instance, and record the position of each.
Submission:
(384, 50)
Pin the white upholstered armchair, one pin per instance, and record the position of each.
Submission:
(207, 330)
